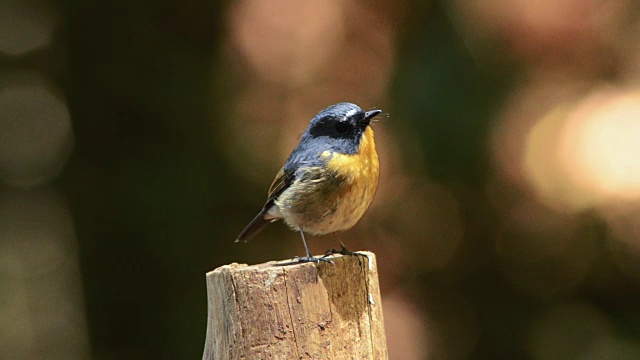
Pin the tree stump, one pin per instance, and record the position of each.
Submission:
(296, 311)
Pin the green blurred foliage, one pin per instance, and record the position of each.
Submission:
(449, 97)
(146, 183)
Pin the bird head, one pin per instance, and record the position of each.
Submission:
(340, 127)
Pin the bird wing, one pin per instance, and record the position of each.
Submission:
(282, 181)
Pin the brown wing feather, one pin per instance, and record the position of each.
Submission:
(277, 186)
(281, 182)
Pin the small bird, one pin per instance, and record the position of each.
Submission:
(328, 181)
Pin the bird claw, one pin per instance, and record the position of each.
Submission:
(312, 259)
(345, 252)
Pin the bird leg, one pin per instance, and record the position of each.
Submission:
(309, 258)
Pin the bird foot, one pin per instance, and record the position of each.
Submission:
(344, 251)
(312, 259)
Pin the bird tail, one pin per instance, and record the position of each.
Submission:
(255, 226)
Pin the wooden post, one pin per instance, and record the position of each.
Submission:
(296, 311)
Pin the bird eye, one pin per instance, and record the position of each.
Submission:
(341, 126)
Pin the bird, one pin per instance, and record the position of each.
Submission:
(329, 180)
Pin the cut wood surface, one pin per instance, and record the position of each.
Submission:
(296, 311)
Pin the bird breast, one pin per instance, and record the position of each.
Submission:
(335, 197)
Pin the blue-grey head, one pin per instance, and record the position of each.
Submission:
(339, 127)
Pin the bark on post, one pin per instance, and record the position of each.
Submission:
(299, 311)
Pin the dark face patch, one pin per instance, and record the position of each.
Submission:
(338, 128)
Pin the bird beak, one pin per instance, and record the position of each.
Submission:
(370, 115)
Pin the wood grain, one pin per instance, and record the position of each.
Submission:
(296, 311)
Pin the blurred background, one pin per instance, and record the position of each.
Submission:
(138, 138)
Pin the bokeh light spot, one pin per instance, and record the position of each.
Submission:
(25, 27)
(584, 155)
(543, 168)
(287, 41)
(41, 302)
(601, 144)
(35, 131)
